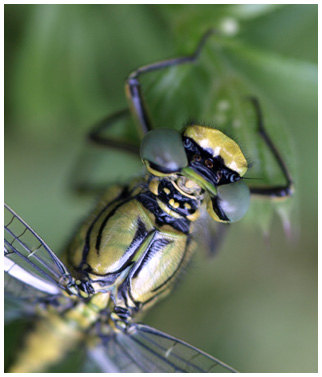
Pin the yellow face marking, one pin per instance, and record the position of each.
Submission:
(187, 205)
(166, 190)
(219, 144)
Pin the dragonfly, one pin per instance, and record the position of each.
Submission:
(130, 251)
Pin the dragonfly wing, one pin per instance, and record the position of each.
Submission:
(144, 349)
(111, 358)
(209, 234)
(32, 270)
(15, 310)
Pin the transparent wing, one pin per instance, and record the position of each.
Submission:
(209, 234)
(32, 270)
(144, 349)
(15, 309)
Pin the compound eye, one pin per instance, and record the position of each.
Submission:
(233, 200)
(163, 149)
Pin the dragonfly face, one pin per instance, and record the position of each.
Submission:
(129, 252)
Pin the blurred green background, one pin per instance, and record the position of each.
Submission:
(255, 304)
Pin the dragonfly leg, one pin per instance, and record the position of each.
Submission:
(99, 133)
(96, 134)
(136, 101)
(123, 314)
(133, 86)
(280, 191)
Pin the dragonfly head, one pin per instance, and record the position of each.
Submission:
(217, 163)
(206, 156)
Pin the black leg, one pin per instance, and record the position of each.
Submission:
(136, 101)
(80, 182)
(273, 191)
(132, 85)
(96, 134)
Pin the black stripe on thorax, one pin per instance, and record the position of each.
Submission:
(126, 286)
(155, 247)
(149, 201)
(86, 248)
(178, 268)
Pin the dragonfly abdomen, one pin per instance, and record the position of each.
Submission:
(56, 334)
(45, 345)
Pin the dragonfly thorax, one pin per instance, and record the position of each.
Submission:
(177, 196)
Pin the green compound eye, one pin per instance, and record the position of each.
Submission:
(233, 200)
(164, 151)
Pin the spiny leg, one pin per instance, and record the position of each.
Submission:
(133, 87)
(272, 191)
(135, 98)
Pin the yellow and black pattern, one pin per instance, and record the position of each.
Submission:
(131, 246)
(131, 249)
